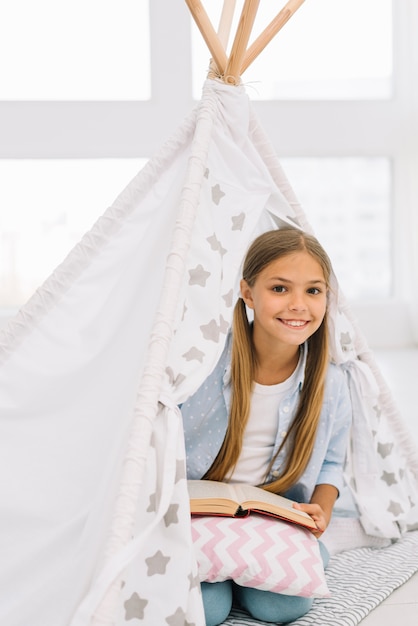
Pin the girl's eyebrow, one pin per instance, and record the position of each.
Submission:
(308, 282)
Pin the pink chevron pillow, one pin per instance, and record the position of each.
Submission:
(260, 552)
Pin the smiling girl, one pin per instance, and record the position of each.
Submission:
(274, 412)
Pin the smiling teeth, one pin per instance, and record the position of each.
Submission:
(294, 323)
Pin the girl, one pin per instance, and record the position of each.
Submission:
(274, 412)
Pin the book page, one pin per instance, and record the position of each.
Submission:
(211, 489)
(254, 497)
(249, 494)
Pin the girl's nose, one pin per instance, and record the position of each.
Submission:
(297, 303)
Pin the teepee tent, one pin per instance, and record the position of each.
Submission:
(95, 526)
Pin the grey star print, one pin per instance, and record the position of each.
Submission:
(134, 607)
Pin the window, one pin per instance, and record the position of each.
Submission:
(49, 205)
(330, 49)
(74, 50)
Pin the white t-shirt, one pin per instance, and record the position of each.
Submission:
(260, 432)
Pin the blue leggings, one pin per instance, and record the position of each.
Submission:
(263, 605)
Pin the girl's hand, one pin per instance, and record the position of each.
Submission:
(318, 515)
(320, 507)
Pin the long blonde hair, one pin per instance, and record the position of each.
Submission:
(300, 438)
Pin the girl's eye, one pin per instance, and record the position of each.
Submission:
(314, 291)
(279, 289)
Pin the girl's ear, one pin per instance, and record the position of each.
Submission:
(246, 293)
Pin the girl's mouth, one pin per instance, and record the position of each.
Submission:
(294, 323)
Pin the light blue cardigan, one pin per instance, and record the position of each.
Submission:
(205, 418)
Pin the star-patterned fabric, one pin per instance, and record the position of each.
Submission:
(94, 518)
(146, 591)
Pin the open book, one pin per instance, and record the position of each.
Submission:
(209, 497)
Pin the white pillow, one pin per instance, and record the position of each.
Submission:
(260, 552)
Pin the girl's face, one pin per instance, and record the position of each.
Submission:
(289, 299)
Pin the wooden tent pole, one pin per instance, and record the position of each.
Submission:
(209, 35)
(233, 68)
(268, 33)
(225, 23)
(224, 30)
